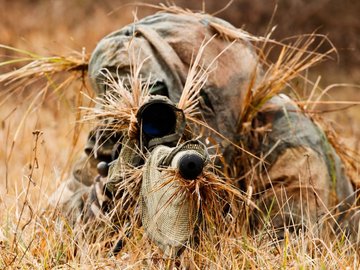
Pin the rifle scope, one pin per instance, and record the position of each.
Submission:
(158, 119)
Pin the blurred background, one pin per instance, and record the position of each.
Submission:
(58, 25)
(49, 27)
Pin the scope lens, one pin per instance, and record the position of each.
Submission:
(158, 120)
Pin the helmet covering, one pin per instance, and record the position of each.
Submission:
(169, 42)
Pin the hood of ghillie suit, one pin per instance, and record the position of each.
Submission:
(168, 43)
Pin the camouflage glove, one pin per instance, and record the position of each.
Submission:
(107, 189)
(72, 193)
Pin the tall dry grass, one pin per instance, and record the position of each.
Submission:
(41, 138)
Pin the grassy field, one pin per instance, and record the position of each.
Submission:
(41, 136)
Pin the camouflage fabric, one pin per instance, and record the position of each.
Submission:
(168, 222)
(301, 171)
(304, 179)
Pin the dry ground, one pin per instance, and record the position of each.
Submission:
(39, 142)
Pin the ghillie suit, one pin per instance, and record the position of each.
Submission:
(193, 139)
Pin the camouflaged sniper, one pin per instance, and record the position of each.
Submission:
(302, 168)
